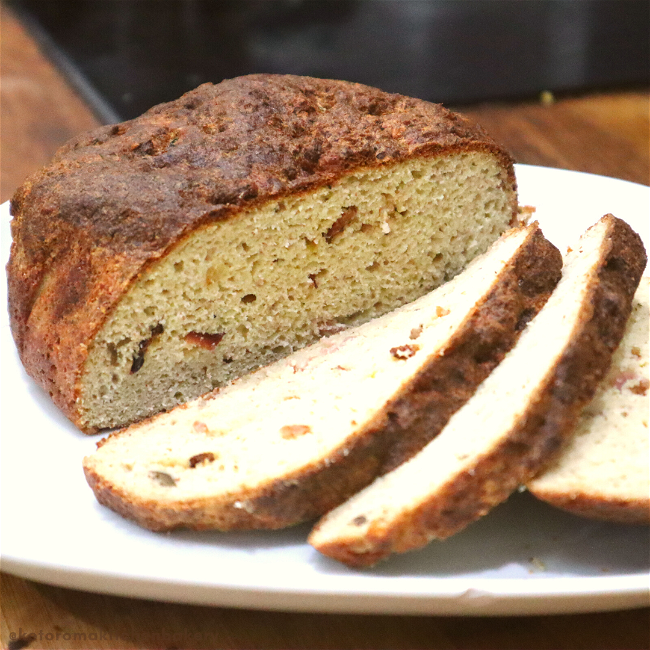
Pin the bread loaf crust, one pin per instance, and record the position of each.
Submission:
(119, 198)
(622, 511)
(604, 473)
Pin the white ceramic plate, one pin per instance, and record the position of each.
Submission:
(523, 558)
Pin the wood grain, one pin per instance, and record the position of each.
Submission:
(84, 620)
(604, 134)
(38, 112)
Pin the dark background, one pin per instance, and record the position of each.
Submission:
(127, 55)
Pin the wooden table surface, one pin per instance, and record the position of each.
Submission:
(604, 133)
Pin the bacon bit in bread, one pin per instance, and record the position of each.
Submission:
(569, 249)
(330, 327)
(341, 368)
(292, 431)
(206, 341)
(636, 351)
(524, 213)
(641, 388)
(205, 457)
(623, 377)
(404, 351)
(200, 427)
(138, 359)
(347, 216)
(441, 311)
(415, 332)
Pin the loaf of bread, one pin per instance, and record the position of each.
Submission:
(297, 438)
(159, 258)
(515, 423)
(605, 471)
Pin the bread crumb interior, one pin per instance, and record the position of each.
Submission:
(245, 292)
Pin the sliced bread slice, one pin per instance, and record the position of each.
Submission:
(298, 437)
(604, 473)
(517, 420)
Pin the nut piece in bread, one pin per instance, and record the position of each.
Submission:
(604, 473)
(159, 258)
(516, 422)
(293, 440)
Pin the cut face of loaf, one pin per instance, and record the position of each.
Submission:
(242, 293)
(296, 438)
(604, 473)
(517, 420)
(159, 258)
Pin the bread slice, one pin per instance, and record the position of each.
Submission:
(604, 473)
(155, 260)
(294, 439)
(517, 420)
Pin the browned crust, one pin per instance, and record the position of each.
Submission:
(115, 200)
(546, 425)
(621, 511)
(416, 414)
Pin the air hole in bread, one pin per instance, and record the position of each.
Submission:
(162, 478)
(317, 277)
(249, 297)
(112, 353)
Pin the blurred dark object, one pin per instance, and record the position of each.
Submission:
(124, 56)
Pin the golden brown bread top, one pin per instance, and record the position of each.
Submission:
(114, 200)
